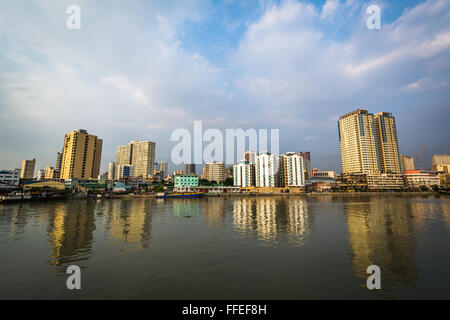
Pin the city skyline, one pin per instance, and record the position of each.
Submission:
(225, 72)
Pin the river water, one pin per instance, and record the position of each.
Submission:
(266, 247)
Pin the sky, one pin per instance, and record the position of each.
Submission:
(138, 70)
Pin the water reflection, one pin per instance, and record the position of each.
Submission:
(381, 233)
(185, 208)
(70, 232)
(128, 221)
(271, 217)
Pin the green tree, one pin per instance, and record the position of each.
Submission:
(228, 182)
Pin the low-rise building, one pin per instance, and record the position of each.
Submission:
(320, 184)
(10, 177)
(385, 182)
(183, 181)
(316, 173)
(347, 181)
(418, 178)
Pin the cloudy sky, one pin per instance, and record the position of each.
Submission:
(137, 70)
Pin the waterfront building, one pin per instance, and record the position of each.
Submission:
(27, 170)
(250, 156)
(244, 174)
(320, 184)
(291, 171)
(164, 168)
(386, 134)
(140, 155)
(316, 173)
(41, 175)
(214, 171)
(184, 181)
(10, 177)
(407, 163)
(351, 181)
(358, 143)
(418, 178)
(441, 164)
(266, 170)
(189, 168)
(385, 181)
(81, 156)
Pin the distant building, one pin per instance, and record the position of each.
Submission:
(407, 163)
(140, 155)
(250, 156)
(112, 171)
(178, 173)
(164, 168)
(441, 164)
(214, 171)
(229, 172)
(27, 170)
(291, 171)
(418, 178)
(58, 162)
(10, 177)
(244, 174)
(51, 173)
(124, 171)
(82, 153)
(41, 174)
(307, 162)
(266, 169)
(385, 181)
(189, 169)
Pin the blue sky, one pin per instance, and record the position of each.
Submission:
(141, 69)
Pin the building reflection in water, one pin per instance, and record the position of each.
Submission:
(129, 222)
(272, 217)
(214, 208)
(381, 233)
(71, 232)
(185, 208)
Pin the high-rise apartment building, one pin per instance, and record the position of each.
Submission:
(389, 156)
(164, 168)
(140, 155)
(244, 174)
(189, 169)
(51, 173)
(306, 155)
(214, 171)
(407, 163)
(291, 172)
(266, 170)
(358, 142)
(27, 170)
(81, 155)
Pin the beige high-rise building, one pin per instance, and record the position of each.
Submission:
(81, 157)
(51, 173)
(140, 155)
(214, 171)
(387, 143)
(358, 143)
(407, 163)
(27, 170)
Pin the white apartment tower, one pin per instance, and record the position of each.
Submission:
(244, 174)
(291, 172)
(266, 170)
